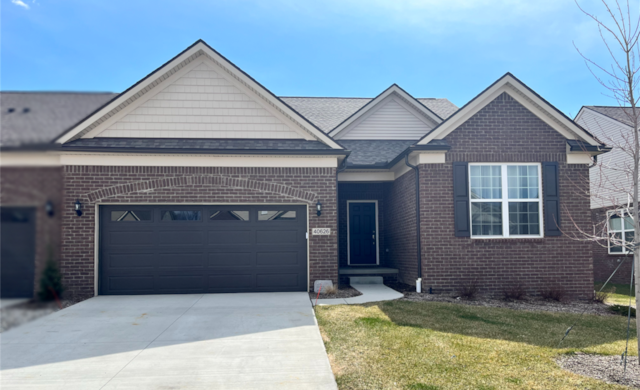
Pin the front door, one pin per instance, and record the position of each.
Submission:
(363, 234)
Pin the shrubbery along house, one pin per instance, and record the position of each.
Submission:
(199, 179)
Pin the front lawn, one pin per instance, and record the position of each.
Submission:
(433, 345)
(621, 294)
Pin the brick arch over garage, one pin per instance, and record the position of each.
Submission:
(202, 181)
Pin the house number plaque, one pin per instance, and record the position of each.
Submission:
(321, 231)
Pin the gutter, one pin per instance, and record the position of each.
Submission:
(417, 171)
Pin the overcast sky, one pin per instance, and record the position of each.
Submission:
(351, 48)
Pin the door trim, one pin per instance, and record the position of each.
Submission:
(349, 233)
(97, 232)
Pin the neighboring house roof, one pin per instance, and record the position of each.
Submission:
(31, 118)
(620, 114)
(329, 112)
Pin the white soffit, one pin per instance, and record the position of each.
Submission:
(172, 70)
(397, 95)
(523, 95)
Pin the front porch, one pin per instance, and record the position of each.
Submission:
(387, 273)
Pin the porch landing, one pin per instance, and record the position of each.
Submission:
(367, 270)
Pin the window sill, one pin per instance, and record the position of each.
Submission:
(504, 240)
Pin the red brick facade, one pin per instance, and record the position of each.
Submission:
(33, 187)
(604, 263)
(174, 185)
(504, 131)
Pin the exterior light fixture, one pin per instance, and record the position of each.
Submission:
(48, 207)
(319, 208)
(78, 208)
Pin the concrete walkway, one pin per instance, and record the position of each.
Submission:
(212, 341)
(370, 293)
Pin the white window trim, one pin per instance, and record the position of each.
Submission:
(505, 201)
(621, 213)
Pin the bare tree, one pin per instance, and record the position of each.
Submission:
(615, 182)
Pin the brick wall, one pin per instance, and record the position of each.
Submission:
(33, 187)
(175, 185)
(504, 131)
(400, 217)
(361, 191)
(603, 263)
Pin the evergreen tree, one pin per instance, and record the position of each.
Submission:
(51, 280)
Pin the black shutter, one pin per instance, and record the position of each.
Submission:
(461, 199)
(551, 199)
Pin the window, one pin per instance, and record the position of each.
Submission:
(229, 215)
(276, 215)
(181, 215)
(505, 200)
(620, 229)
(131, 215)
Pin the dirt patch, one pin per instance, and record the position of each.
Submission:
(342, 292)
(605, 368)
(527, 304)
(16, 315)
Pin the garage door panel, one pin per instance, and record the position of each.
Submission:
(231, 259)
(233, 252)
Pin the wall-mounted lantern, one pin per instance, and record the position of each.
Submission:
(78, 208)
(48, 207)
(319, 208)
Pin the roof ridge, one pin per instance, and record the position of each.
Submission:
(338, 97)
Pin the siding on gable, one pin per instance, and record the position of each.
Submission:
(392, 120)
(201, 104)
(609, 181)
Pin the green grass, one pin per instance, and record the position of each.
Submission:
(432, 345)
(621, 294)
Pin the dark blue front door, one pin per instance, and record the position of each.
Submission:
(362, 234)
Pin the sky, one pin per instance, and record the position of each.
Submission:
(450, 49)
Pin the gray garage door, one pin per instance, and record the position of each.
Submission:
(202, 249)
(18, 229)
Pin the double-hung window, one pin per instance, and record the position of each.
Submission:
(621, 230)
(506, 200)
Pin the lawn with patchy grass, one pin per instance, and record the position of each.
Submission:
(433, 345)
(621, 294)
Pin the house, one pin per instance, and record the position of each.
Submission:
(610, 186)
(199, 179)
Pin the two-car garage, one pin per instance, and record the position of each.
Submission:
(169, 249)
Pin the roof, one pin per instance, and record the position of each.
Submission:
(374, 152)
(39, 117)
(620, 114)
(328, 112)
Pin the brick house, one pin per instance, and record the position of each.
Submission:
(609, 188)
(199, 179)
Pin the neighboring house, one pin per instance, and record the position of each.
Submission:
(199, 179)
(609, 188)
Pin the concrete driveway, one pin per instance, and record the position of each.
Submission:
(213, 341)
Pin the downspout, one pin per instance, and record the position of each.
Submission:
(415, 169)
(341, 168)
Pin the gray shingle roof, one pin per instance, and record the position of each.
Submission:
(374, 152)
(47, 115)
(327, 113)
(620, 114)
(200, 144)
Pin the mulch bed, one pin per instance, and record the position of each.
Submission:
(342, 292)
(605, 368)
(527, 304)
(16, 315)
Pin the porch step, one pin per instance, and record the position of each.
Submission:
(367, 271)
(365, 280)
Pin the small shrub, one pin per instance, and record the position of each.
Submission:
(329, 290)
(468, 289)
(554, 292)
(602, 296)
(623, 310)
(514, 291)
(51, 280)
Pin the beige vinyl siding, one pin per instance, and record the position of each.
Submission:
(392, 120)
(607, 179)
(200, 104)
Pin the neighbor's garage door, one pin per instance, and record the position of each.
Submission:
(202, 249)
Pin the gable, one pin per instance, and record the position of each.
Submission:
(391, 119)
(202, 103)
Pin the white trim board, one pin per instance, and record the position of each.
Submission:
(523, 95)
(349, 233)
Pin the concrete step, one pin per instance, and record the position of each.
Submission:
(365, 280)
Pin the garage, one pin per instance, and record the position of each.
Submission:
(17, 230)
(173, 249)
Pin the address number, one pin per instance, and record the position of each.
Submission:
(321, 231)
